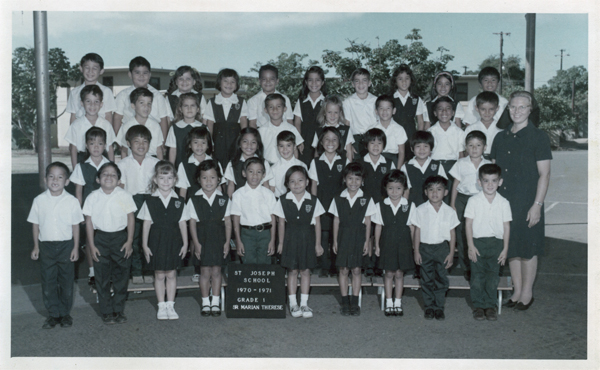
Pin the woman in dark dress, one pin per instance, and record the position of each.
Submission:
(523, 153)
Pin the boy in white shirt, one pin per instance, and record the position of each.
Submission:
(275, 108)
(268, 77)
(140, 73)
(286, 142)
(395, 135)
(487, 106)
(55, 215)
(359, 108)
(487, 219)
(91, 98)
(488, 80)
(91, 67)
(434, 242)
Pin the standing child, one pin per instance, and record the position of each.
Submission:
(275, 108)
(487, 107)
(226, 115)
(443, 86)
(433, 244)
(464, 186)
(109, 211)
(393, 239)
(91, 101)
(187, 116)
(308, 106)
(210, 226)
(55, 215)
(351, 234)
(186, 80)
(253, 220)
(359, 108)
(164, 237)
(84, 178)
(249, 145)
(286, 142)
(375, 164)
(487, 219)
(299, 231)
(268, 77)
(394, 133)
(332, 115)
(488, 80)
(326, 175)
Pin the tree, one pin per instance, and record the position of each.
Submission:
(24, 120)
(555, 110)
(512, 72)
(562, 85)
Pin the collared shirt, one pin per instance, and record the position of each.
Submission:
(268, 134)
(460, 112)
(74, 102)
(160, 106)
(465, 171)
(135, 176)
(394, 136)
(144, 213)
(109, 211)
(298, 108)
(472, 115)
(435, 225)
(230, 176)
(490, 133)
(278, 170)
(312, 172)
(488, 218)
(256, 108)
(448, 143)
(381, 160)
(226, 103)
(421, 109)
(76, 132)
(203, 103)
(378, 218)
(151, 124)
(77, 175)
(349, 138)
(171, 141)
(192, 210)
(423, 168)
(360, 113)
(345, 194)
(254, 206)
(319, 210)
(182, 179)
(55, 216)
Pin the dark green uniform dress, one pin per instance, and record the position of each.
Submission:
(395, 242)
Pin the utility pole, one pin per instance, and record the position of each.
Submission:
(530, 52)
(42, 86)
(561, 56)
(501, 54)
(465, 67)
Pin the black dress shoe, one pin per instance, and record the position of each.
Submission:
(66, 321)
(439, 315)
(51, 322)
(429, 314)
(108, 319)
(323, 273)
(509, 304)
(120, 318)
(522, 307)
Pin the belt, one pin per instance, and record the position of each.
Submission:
(261, 227)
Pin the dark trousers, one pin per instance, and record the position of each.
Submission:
(138, 255)
(447, 166)
(112, 267)
(461, 235)
(434, 277)
(58, 274)
(484, 272)
(256, 246)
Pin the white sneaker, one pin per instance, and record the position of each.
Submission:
(162, 311)
(148, 279)
(196, 278)
(295, 311)
(172, 315)
(306, 312)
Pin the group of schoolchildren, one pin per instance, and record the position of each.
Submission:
(365, 183)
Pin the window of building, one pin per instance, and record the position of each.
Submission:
(155, 82)
(108, 82)
(462, 91)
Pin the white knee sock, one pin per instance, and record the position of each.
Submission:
(303, 300)
(216, 300)
(398, 302)
(205, 301)
(389, 302)
(293, 301)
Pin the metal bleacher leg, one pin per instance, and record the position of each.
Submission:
(222, 298)
(381, 292)
(499, 302)
(360, 297)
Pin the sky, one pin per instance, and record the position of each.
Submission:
(210, 41)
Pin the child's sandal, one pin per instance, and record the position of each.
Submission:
(398, 311)
(389, 311)
(215, 311)
(205, 311)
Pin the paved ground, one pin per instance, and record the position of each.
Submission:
(554, 328)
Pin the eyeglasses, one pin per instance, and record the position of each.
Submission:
(519, 109)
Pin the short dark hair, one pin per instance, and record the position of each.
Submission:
(105, 166)
(92, 57)
(394, 176)
(382, 98)
(490, 169)
(486, 97)
(228, 72)
(207, 165)
(254, 160)
(286, 136)
(327, 129)
(139, 62)
(293, 169)
(476, 134)
(200, 132)
(435, 180)
(268, 67)
(374, 134)
(139, 92)
(91, 89)
(354, 168)
(422, 137)
(95, 132)
(443, 99)
(274, 96)
(488, 71)
(59, 165)
(138, 131)
(360, 71)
